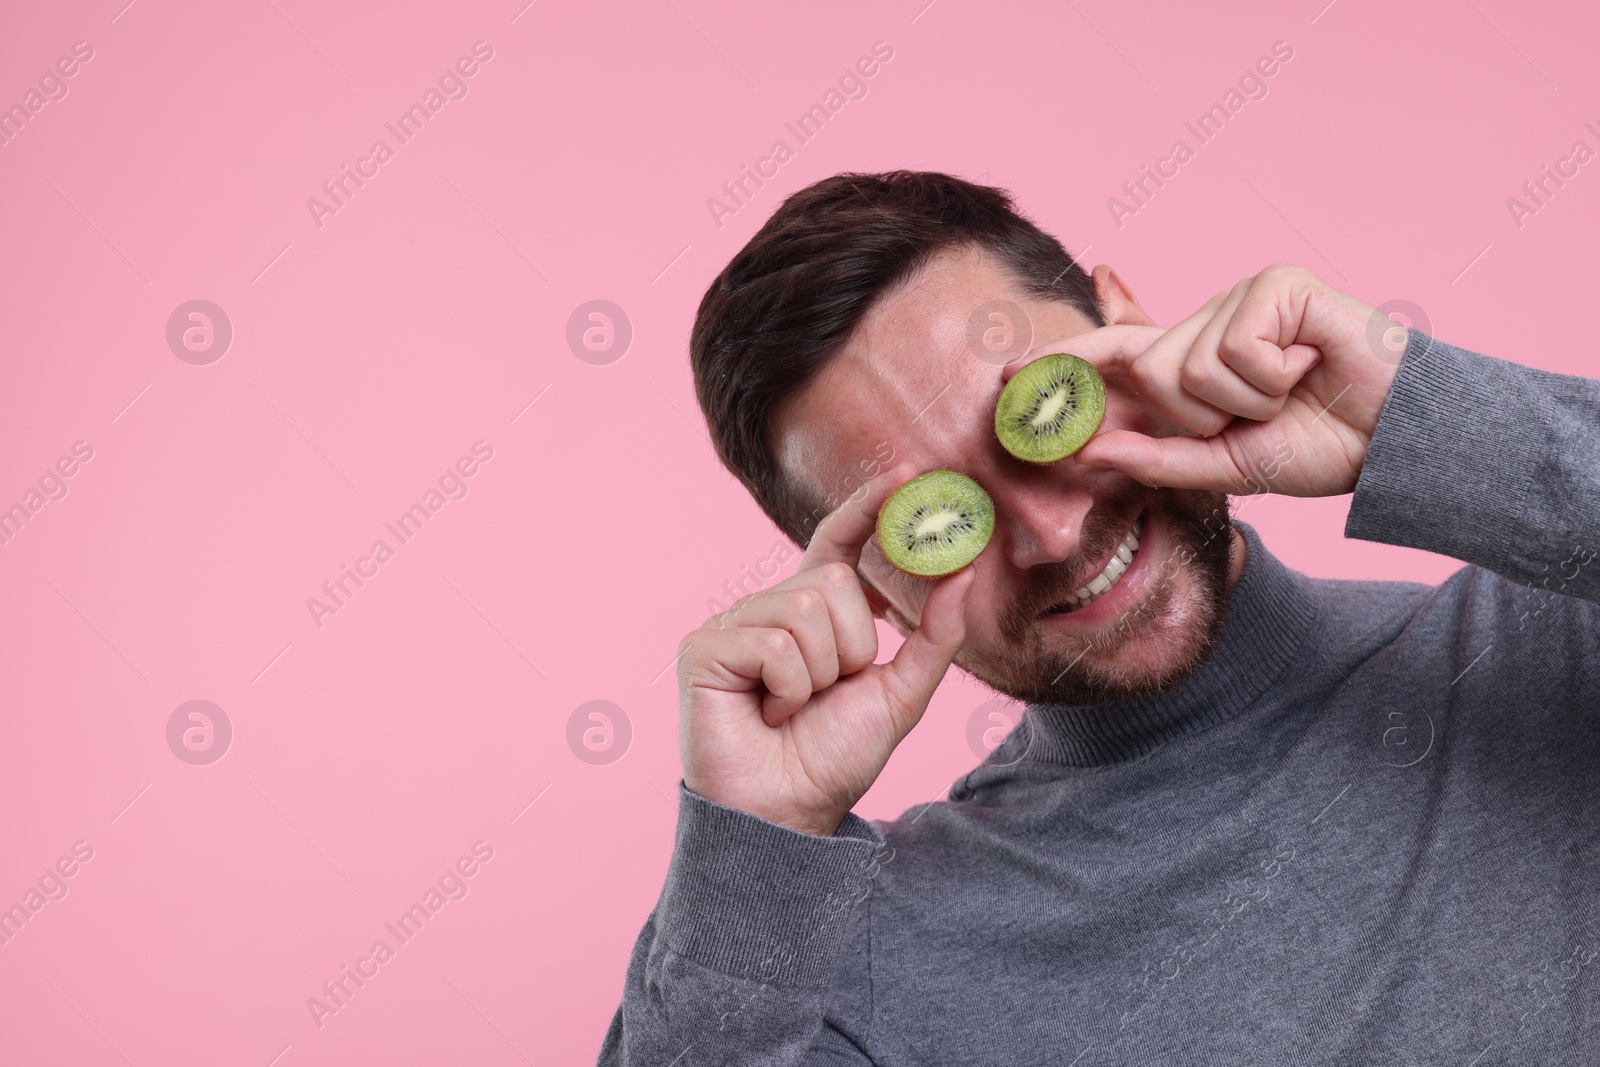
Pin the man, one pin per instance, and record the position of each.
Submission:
(1248, 816)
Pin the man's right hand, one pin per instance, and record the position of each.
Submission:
(784, 714)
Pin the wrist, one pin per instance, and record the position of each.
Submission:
(816, 825)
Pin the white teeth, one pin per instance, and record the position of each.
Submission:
(1121, 560)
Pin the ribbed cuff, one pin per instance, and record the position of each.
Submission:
(1453, 455)
(752, 899)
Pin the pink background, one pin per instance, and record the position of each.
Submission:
(372, 352)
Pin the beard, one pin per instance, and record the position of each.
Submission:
(1181, 614)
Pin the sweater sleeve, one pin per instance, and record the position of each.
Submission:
(733, 965)
(1490, 462)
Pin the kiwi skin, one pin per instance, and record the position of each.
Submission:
(1018, 395)
(940, 489)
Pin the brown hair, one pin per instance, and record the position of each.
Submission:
(793, 295)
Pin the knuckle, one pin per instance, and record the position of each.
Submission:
(1193, 376)
(1141, 374)
(840, 575)
(1290, 273)
(808, 604)
(775, 644)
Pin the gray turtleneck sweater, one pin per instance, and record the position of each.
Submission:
(1367, 831)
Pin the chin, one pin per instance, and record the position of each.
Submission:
(1149, 659)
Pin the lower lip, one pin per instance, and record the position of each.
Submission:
(1119, 597)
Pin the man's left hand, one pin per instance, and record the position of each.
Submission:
(1281, 379)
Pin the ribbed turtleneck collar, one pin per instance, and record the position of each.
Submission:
(1271, 610)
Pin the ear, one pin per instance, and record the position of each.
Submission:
(1116, 300)
(881, 608)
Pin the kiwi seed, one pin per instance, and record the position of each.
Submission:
(935, 524)
(1050, 408)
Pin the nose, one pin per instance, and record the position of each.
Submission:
(1039, 514)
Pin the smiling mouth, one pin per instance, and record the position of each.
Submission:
(1102, 583)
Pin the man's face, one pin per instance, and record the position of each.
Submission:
(911, 377)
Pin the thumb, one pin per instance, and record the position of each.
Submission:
(921, 662)
(1173, 462)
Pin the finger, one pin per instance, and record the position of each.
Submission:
(1155, 373)
(1110, 349)
(1169, 462)
(1245, 335)
(1114, 349)
(1259, 340)
(1216, 324)
(785, 676)
(1259, 361)
(801, 611)
(922, 660)
(1202, 375)
(852, 605)
(737, 661)
(850, 612)
(1158, 376)
(839, 537)
(1206, 378)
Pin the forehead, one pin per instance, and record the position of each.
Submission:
(910, 377)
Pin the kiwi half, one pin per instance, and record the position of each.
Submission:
(935, 524)
(1050, 408)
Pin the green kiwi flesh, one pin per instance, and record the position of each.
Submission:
(1050, 408)
(935, 524)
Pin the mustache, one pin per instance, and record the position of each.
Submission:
(1050, 583)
